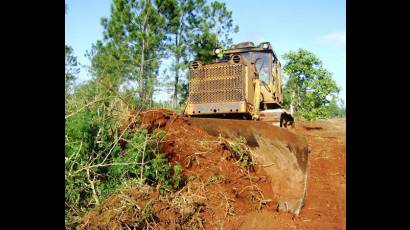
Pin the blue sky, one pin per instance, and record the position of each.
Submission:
(319, 26)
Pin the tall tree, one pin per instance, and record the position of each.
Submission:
(213, 29)
(71, 68)
(179, 13)
(309, 87)
(132, 44)
(71, 65)
(192, 29)
(336, 107)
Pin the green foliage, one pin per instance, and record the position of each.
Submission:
(215, 28)
(193, 29)
(132, 45)
(309, 86)
(335, 109)
(177, 177)
(124, 69)
(160, 171)
(140, 33)
(128, 164)
(184, 94)
(71, 68)
(88, 140)
(96, 164)
(110, 64)
(242, 153)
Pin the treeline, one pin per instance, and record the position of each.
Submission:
(141, 34)
(310, 92)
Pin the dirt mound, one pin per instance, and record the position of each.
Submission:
(325, 206)
(218, 187)
(220, 193)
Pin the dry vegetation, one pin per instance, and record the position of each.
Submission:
(219, 181)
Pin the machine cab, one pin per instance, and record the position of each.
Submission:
(263, 57)
(266, 64)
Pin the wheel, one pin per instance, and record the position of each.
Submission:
(283, 121)
(287, 121)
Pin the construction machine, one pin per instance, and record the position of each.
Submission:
(240, 94)
(245, 83)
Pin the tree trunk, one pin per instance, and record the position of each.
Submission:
(177, 58)
(149, 91)
(175, 97)
(292, 101)
(141, 77)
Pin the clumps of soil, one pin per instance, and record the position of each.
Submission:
(130, 208)
(219, 185)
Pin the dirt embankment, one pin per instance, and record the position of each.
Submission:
(220, 194)
(325, 204)
(217, 188)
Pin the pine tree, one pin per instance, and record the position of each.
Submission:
(192, 29)
(71, 68)
(132, 45)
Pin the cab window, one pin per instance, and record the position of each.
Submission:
(245, 56)
(262, 65)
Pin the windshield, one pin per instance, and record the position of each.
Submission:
(262, 65)
(245, 56)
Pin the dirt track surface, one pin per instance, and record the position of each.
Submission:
(325, 206)
(222, 195)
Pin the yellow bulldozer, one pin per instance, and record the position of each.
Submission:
(240, 95)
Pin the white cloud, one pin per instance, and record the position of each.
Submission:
(337, 38)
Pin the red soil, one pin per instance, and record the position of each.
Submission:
(217, 189)
(219, 193)
(325, 204)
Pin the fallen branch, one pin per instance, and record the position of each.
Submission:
(118, 139)
(268, 165)
(142, 161)
(85, 106)
(97, 202)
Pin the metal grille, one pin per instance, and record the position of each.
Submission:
(217, 84)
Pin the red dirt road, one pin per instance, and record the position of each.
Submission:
(325, 206)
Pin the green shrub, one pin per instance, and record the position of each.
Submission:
(160, 171)
(241, 153)
(96, 164)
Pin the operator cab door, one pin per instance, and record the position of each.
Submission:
(263, 63)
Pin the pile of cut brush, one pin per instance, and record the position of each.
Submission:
(219, 181)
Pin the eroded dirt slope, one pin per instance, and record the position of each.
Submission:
(220, 194)
(217, 186)
(325, 206)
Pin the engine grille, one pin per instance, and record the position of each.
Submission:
(213, 84)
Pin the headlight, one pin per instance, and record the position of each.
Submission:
(195, 64)
(217, 51)
(265, 45)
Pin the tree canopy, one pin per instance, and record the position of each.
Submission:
(139, 34)
(309, 89)
(72, 68)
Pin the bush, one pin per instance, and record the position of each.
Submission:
(96, 165)
(242, 153)
(309, 86)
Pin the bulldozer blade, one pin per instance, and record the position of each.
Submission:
(283, 154)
